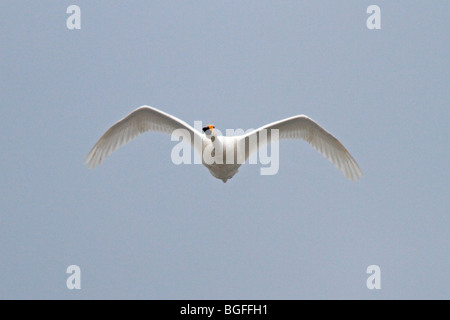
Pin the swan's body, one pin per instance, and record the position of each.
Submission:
(222, 170)
(301, 127)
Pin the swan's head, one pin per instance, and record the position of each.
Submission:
(210, 132)
(208, 129)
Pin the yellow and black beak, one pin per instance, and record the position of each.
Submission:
(210, 127)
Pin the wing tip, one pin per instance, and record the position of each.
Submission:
(355, 173)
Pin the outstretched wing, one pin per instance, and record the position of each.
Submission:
(140, 120)
(304, 128)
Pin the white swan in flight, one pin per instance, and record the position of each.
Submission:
(148, 118)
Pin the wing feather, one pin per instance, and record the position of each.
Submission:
(141, 120)
(304, 128)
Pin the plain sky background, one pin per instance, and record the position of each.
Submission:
(141, 227)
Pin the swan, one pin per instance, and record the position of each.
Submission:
(301, 127)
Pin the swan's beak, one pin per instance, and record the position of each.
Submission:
(208, 129)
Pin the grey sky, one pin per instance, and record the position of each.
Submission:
(141, 227)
